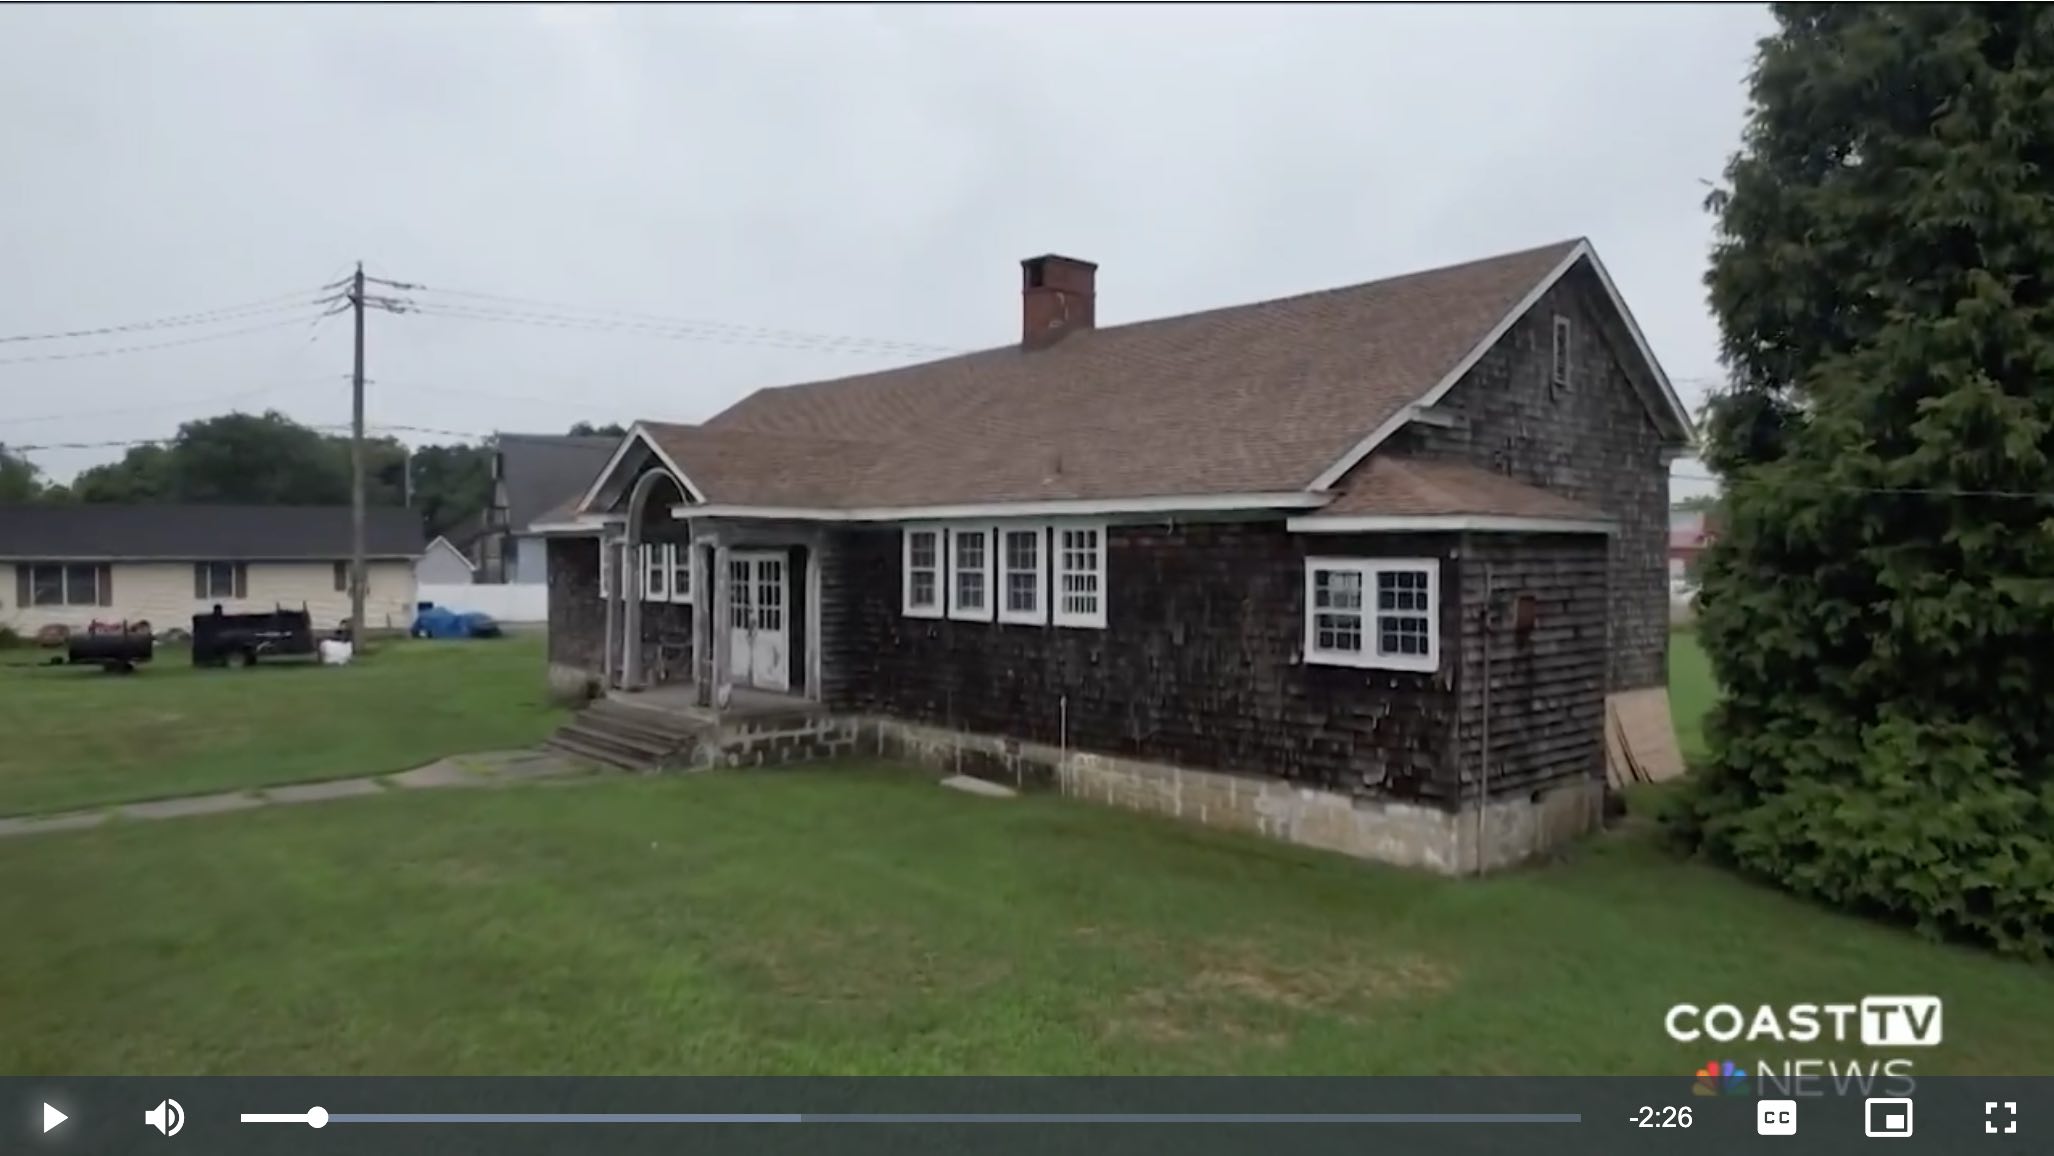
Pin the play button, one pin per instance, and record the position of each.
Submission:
(52, 1117)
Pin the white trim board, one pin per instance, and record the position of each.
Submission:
(1061, 507)
(1419, 523)
(638, 433)
(1406, 413)
(590, 525)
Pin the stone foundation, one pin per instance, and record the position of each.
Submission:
(1513, 829)
(778, 739)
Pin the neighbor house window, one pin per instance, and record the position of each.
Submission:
(57, 584)
(1023, 576)
(220, 580)
(970, 573)
(1373, 612)
(608, 552)
(922, 573)
(1559, 373)
(1080, 576)
(341, 577)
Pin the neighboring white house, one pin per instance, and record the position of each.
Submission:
(77, 564)
(442, 564)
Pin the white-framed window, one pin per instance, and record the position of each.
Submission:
(655, 562)
(1080, 576)
(921, 572)
(1373, 612)
(970, 567)
(1559, 359)
(666, 570)
(679, 555)
(1023, 574)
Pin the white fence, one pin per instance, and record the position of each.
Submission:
(513, 602)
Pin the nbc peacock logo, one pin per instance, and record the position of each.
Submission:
(1721, 1078)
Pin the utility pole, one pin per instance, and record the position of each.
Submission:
(358, 575)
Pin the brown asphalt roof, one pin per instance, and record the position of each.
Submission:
(1250, 399)
(1388, 486)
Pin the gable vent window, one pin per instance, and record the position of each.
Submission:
(921, 573)
(1080, 576)
(1558, 379)
(970, 574)
(1373, 612)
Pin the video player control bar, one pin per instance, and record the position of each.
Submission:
(317, 1117)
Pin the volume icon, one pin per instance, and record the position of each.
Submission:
(168, 1117)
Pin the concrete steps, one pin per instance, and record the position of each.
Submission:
(631, 737)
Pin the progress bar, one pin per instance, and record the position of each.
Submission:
(311, 1115)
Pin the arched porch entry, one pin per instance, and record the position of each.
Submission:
(718, 612)
(649, 620)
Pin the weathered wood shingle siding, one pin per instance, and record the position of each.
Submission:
(1200, 664)
(1546, 703)
(1594, 442)
(577, 615)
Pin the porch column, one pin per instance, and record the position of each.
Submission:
(609, 559)
(816, 650)
(703, 600)
(630, 590)
(723, 638)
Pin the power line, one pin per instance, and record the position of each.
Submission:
(209, 399)
(565, 315)
(223, 335)
(1849, 487)
(713, 336)
(207, 317)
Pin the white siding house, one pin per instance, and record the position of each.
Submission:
(74, 565)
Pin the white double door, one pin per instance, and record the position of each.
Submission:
(759, 620)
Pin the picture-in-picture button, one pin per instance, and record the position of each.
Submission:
(1886, 1117)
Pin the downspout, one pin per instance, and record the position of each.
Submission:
(1483, 797)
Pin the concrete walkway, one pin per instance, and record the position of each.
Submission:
(487, 769)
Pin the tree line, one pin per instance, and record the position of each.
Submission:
(270, 459)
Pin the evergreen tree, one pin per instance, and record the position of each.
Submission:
(1880, 604)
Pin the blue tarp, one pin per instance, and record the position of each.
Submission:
(432, 621)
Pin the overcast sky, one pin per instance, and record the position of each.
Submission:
(845, 171)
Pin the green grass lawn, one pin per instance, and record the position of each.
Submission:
(860, 919)
(77, 737)
(1691, 692)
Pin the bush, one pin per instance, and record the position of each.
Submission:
(9, 639)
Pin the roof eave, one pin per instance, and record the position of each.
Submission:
(1049, 508)
(1445, 523)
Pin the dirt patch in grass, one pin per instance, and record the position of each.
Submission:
(871, 962)
(1250, 992)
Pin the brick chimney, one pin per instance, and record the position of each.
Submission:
(1058, 295)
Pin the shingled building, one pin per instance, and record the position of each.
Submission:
(1356, 568)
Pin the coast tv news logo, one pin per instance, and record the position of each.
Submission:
(1878, 1021)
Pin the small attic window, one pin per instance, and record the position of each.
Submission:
(1037, 272)
(1558, 377)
